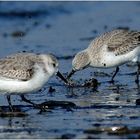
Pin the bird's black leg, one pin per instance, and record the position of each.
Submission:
(9, 102)
(137, 75)
(35, 105)
(26, 100)
(112, 79)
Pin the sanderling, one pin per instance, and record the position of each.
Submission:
(111, 49)
(26, 72)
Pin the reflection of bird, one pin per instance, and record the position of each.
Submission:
(26, 72)
(111, 49)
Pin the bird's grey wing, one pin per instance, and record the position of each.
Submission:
(123, 41)
(16, 67)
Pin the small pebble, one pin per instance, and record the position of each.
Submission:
(137, 101)
(18, 34)
(128, 100)
(16, 122)
(67, 136)
(51, 89)
(117, 99)
(97, 124)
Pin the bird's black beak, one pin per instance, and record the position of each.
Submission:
(62, 77)
(71, 73)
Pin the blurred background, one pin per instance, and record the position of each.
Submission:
(64, 28)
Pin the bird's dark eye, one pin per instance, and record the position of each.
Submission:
(54, 64)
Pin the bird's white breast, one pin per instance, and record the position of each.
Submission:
(16, 86)
(109, 59)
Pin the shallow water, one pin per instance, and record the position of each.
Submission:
(64, 28)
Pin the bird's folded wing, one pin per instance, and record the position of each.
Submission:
(18, 67)
(123, 41)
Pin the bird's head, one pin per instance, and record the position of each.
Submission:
(51, 63)
(80, 61)
(51, 66)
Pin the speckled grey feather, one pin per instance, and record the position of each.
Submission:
(19, 66)
(118, 41)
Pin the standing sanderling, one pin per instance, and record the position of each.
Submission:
(25, 72)
(111, 49)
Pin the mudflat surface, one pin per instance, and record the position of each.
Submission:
(64, 28)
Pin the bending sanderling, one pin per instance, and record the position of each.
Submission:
(25, 72)
(111, 49)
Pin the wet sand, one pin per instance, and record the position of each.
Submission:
(64, 28)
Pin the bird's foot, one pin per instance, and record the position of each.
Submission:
(111, 81)
(11, 109)
(70, 83)
(43, 108)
